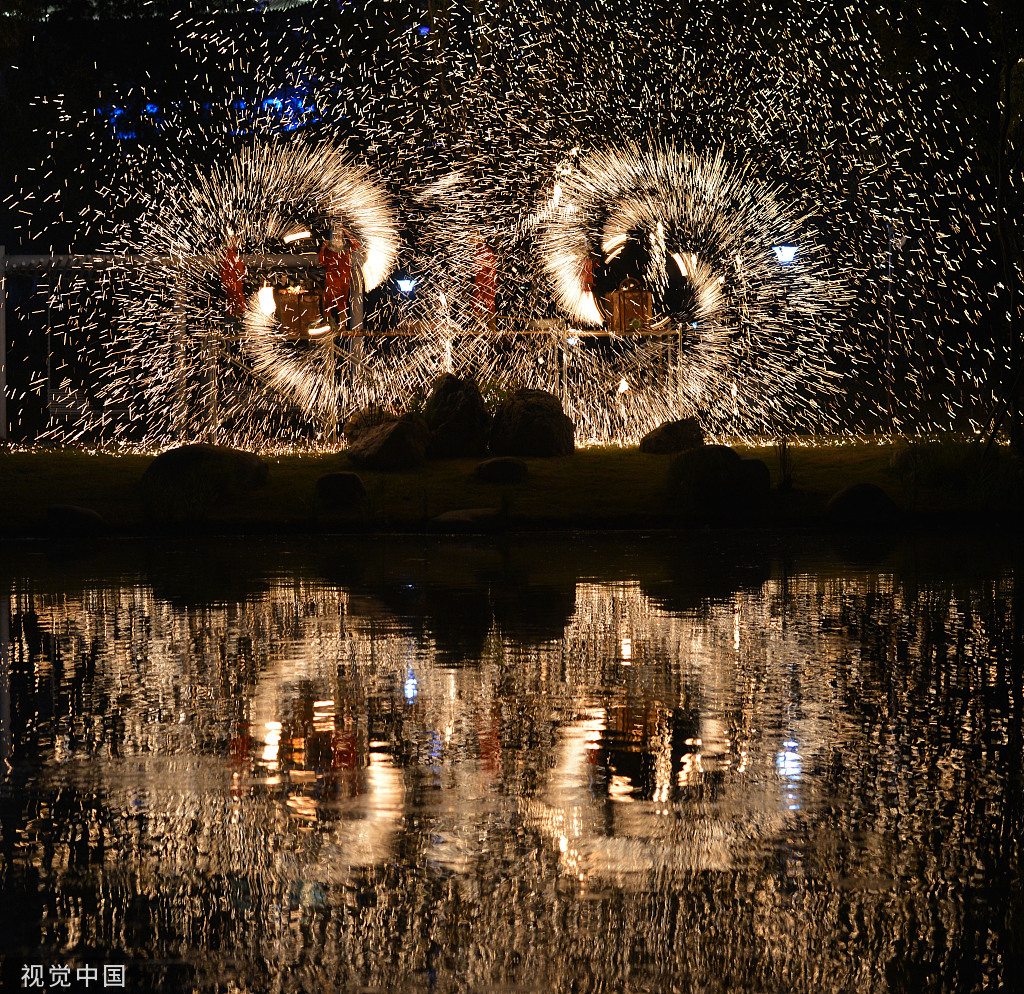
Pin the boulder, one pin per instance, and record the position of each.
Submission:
(501, 469)
(340, 490)
(457, 419)
(862, 505)
(713, 480)
(395, 445)
(188, 481)
(531, 423)
(233, 470)
(72, 521)
(673, 436)
(704, 464)
(364, 419)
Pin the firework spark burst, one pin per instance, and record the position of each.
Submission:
(197, 364)
(487, 123)
(739, 339)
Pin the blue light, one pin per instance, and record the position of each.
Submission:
(788, 761)
(406, 286)
(115, 116)
(423, 29)
(151, 108)
(411, 686)
(292, 108)
(784, 253)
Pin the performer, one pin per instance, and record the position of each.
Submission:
(587, 268)
(232, 273)
(588, 271)
(336, 258)
(587, 275)
(485, 278)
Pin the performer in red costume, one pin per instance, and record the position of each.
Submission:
(232, 272)
(485, 278)
(336, 258)
(587, 274)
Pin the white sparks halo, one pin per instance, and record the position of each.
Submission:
(311, 379)
(888, 162)
(743, 341)
(176, 309)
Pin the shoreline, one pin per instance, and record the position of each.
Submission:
(614, 490)
(964, 524)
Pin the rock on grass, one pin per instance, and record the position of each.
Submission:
(69, 521)
(337, 491)
(501, 469)
(365, 419)
(457, 419)
(188, 482)
(397, 445)
(673, 436)
(714, 481)
(532, 423)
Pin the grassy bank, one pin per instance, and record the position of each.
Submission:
(596, 487)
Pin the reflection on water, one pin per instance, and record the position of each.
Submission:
(639, 767)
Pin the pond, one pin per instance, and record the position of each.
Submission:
(733, 762)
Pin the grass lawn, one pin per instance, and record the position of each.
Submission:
(30, 481)
(596, 487)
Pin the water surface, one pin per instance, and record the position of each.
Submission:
(710, 764)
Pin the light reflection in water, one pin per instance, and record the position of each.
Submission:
(803, 782)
